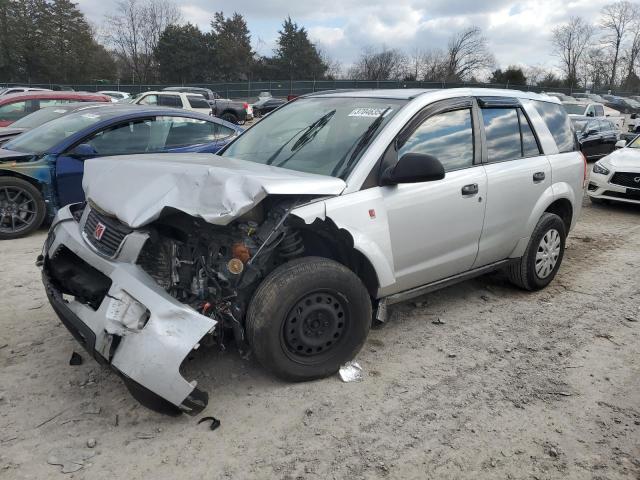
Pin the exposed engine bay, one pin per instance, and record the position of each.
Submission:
(215, 269)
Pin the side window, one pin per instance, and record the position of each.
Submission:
(530, 147)
(197, 101)
(149, 100)
(13, 111)
(188, 131)
(502, 132)
(126, 138)
(447, 136)
(53, 102)
(599, 109)
(170, 101)
(558, 124)
(223, 132)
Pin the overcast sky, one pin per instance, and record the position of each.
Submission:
(518, 31)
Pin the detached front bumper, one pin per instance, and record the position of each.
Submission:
(601, 187)
(122, 317)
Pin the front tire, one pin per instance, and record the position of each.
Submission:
(543, 256)
(307, 318)
(22, 208)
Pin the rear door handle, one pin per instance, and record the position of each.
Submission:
(538, 177)
(470, 189)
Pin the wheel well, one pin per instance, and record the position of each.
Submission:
(325, 239)
(563, 209)
(229, 111)
(31, 180)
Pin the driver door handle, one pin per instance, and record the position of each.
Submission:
(538, 177)
(470, 189)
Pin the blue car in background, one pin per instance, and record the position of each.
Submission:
(41, 170)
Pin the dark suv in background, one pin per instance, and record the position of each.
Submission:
(229, 110)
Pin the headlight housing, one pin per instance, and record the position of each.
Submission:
(598, 168)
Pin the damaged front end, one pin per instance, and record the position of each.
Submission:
(140, 300)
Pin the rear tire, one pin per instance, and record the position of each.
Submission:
(543, 256)
(307, 318)
(229, 117)
(22, 208)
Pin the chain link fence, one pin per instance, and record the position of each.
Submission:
(249, 90)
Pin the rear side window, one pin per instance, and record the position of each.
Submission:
(599, 109)
(197, 101)
(508, 134)
(169, 101)
(447, 136)
(558, 124)
(13, 111)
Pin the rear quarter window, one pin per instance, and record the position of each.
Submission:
(558, 123)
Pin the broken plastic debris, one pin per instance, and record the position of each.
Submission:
(351, 372)
(215, 423)
(76, 359)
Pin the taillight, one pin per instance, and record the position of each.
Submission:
(585, 174)
(245, 105)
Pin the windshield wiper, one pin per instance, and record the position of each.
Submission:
(360, 143)
(309, 134)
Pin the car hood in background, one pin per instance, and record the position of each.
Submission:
(11, 156)
(137, 188)
(624, 158)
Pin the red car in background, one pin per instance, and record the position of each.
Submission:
(15, 106)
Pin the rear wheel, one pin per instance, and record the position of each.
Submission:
(22, 208)
(229, 117)
(543, 256)
(307, 318)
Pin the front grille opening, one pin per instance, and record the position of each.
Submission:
(592, 187)
(629, 195)
(110, 234)
(76, 279)
(626, 179)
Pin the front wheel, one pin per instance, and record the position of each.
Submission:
(307, 318)
(543, 256)
(22, 208)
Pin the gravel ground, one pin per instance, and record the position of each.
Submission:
(479, 380)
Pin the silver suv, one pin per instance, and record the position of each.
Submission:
(302, 231)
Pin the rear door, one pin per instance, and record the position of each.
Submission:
(517, 175)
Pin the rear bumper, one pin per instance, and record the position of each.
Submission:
(147, 353)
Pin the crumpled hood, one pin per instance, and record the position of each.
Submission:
(136, 188)
(624, 158)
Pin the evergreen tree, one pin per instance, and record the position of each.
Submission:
(182, 54)
(296, 56)
(231, 44)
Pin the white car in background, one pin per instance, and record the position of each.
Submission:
(187, 101)
(595, 110)
(10, 90)
(116, 96)
(617, 176)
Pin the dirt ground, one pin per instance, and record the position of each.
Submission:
(507, 385)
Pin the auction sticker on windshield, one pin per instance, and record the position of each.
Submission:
(369, 112)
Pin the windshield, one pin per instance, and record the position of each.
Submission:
(43, 138)
(635, 143)
(43, 115)
(321, 135)
(574, 108)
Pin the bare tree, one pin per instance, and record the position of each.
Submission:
(535, 74)
(384, 64)
(632, 53)
(468, 55)
(595, 68)
(616, 18)
(570, 42)
(134, 31)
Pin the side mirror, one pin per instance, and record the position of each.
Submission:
(413, 168)
(634, 116)
(82, 151)
(590, 114)
(621, 143)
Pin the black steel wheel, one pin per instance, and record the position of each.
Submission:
(307, 318)
(22, 208)
(315, 325)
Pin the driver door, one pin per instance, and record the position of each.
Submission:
(435, 227)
